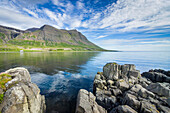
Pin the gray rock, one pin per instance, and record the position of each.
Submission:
(144, 82)
(168, 101)
(147, 107)
(110, 82)
(123, 109)
(162, 89)
(20, 73)
(105, 99)
(98, 83)
(111, 71)
(142, 91)
(98, 77)
(128, 87)
(156, 77)
(132, 101)
(164, 108)
(22, 96)
(135, 73)
(116, 92)
(86, 103)
(122, 84)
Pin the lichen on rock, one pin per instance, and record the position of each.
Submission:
(21, 95)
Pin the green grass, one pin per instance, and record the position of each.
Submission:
(34, 43)
(32, 50)
(1, 98)
(12, 46)
(71, 41)
(33, 36)
(3, 49)
(4, 78)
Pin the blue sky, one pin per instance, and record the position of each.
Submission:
(130, 25)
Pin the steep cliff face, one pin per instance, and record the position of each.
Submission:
(7, 33)
(46, 36)
(20, 95)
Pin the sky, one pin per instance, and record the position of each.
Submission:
(127, 25)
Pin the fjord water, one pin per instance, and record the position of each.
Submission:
(61, 75)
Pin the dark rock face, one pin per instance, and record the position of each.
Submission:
(22, 96)
(122, 89)
(157, 75)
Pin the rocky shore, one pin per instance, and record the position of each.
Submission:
(122, 89)
(19, 94)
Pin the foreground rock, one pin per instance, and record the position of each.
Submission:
(21, 95)
(86, 103)
(122, 89)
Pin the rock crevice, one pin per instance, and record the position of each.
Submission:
(21, 95)
(122, 89)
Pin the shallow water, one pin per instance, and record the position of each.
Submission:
(61, 75)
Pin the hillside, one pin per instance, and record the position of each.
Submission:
(44, 38)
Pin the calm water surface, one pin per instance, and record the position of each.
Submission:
(61, 75)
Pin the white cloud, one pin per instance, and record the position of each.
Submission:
(53, 16)
(58, 3)
(18, 20)
(80, 5)
(31, 12)
(132, 14)
(102, 36)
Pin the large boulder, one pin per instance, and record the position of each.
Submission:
(122, 84)
(167, 73)
(132, 101)
(22, 96)
(105, 99)
(162, 89)
(113, 71)
(156, 77)
(139, 90)
(86, 103)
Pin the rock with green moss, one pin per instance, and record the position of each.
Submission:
(21, 95)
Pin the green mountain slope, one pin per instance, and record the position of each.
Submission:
(46, 37)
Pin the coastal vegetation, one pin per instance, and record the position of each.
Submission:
(4, 78)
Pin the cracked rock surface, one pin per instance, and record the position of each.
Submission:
(22, 96)
(122, 89)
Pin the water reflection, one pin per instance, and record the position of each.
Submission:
(61, 75)
(48, 63)
(58, 75)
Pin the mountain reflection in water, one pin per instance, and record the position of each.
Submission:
(60, 75)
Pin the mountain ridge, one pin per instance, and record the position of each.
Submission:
(45, 37)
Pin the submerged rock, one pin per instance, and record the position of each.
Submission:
(22, 96)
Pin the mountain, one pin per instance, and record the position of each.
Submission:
(46, 37)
